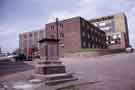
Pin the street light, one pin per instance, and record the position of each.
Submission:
(57, 35)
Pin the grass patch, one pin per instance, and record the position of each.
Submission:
(90, 50)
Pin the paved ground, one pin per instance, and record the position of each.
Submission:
(111, 72)
(114, 72)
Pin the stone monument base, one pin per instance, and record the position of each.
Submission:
(54, 79)
(52, 71)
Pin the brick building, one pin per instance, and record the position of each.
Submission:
(76, 33)
(113, 24)
(29, 40)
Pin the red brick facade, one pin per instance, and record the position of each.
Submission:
(71, 34)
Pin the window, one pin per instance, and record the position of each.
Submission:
(99, 40)
(107, 43)
(25, 36)
(95, 24)
(92, 30)
(88, 35)
(89, 45)
(84, 44)
(109, 38)
(102, 24)
(61, 25)
(93, 46)
(30, 34)
(83, 23)
(88, 26)
(52, 27)
(117, 41)
(61, 34)
(112, 42)
(119, 36)
(83, 34)
(91, 37)
(114, 37)
(96, 39)
(105, 28)
(97, 33)
(35, 33)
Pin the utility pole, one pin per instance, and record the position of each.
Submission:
(57, 35)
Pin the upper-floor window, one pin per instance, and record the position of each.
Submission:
(83, 23)
(102, 24)
(119, 35)
(114, 36)
(25, 36)
(96, 39)
(112, 42)
(109, 38)
(61, 25)
(84, 44)
(91, 30)
(87, 25)
(95, 31)
(61, 34)
(35, 33)
(52, 27)
(95, 24)
(92, 37)
(30, 34)
(105, 28)
(83, 34)
(88, 35)
(89, 45)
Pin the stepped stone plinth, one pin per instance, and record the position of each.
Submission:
(48, 66)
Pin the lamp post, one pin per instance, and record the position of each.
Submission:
(57, 35)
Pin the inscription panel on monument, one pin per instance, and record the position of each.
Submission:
(54, 69)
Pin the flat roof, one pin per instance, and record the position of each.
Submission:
(106, 17)
(48, 39)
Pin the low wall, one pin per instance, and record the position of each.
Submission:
(95, 53)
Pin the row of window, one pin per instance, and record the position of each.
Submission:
(60, 35)
(102, 19)
(93, 30)
(86, 26)
(113, 37)
(60, 25)
(100, 40)
(106, 28)
(33, 34)
(91, 45)
(113, 42)
(87, 34)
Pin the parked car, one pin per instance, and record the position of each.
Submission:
(129, 50)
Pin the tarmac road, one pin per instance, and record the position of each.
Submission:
(7, 68)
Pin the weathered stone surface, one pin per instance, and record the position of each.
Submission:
(50, 69)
